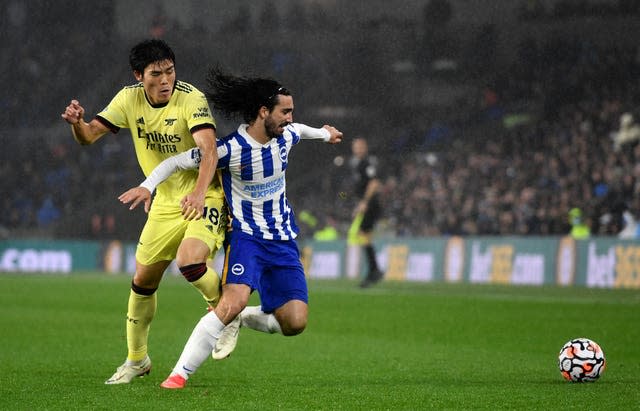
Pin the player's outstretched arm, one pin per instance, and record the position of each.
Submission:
(142, 194)
(83, 132)
(327, 133)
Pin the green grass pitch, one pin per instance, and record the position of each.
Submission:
(403, 346)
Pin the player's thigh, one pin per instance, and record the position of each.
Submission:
(283, 280)
(161, 237)
(203, 237)
(243, 262)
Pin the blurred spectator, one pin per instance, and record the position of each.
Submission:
(158, 25)
(48, 213)
(328, 231)
(631, 228)
(579, 228)
(103, 225)
(628, 133)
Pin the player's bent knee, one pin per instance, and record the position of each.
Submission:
(292, 329)
(149, 275)
(192, 251)
(292, 318)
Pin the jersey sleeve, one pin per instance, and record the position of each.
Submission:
(197, 112)
(114, 116)
(311, 133)
(224, 153)
(184, 161)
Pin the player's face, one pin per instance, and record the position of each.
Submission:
(158, 80)
(280, 117)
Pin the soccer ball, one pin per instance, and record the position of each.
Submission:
(581, 360)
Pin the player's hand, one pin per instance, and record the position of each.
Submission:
(335, 136)
(136, 196)
(74, 113)
(192, 206)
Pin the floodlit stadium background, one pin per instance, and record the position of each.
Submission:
(492, 119)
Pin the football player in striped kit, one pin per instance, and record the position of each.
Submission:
(262, 253)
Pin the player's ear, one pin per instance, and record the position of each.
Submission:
(137, 75)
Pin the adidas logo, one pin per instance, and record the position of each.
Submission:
(209, 227)
(140, 120)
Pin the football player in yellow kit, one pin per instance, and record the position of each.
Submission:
(187, 222)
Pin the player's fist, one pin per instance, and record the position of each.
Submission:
(335, 135)
(74, 112)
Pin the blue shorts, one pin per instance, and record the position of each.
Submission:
(272, 267)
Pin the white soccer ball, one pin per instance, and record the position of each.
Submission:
(581, 360)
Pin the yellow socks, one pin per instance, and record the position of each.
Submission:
(140, 313)
(205, 279)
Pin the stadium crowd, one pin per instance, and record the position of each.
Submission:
(508, 168)
(540, 138)
(521, 172)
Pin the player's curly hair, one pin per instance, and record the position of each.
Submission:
(241, 96)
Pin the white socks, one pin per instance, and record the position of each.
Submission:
(199, 346)
(254, 318)
(206, 333)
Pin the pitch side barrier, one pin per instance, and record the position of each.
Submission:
(603, 262)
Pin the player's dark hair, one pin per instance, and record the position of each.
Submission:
(241, 96)
(148, 52)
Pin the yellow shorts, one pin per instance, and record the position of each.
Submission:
(166, 228)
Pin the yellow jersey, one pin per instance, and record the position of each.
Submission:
(161, 131)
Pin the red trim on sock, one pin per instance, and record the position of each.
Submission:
(193, 272)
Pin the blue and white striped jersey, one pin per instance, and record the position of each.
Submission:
(253, 179)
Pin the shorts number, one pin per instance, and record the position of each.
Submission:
(212, 214)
